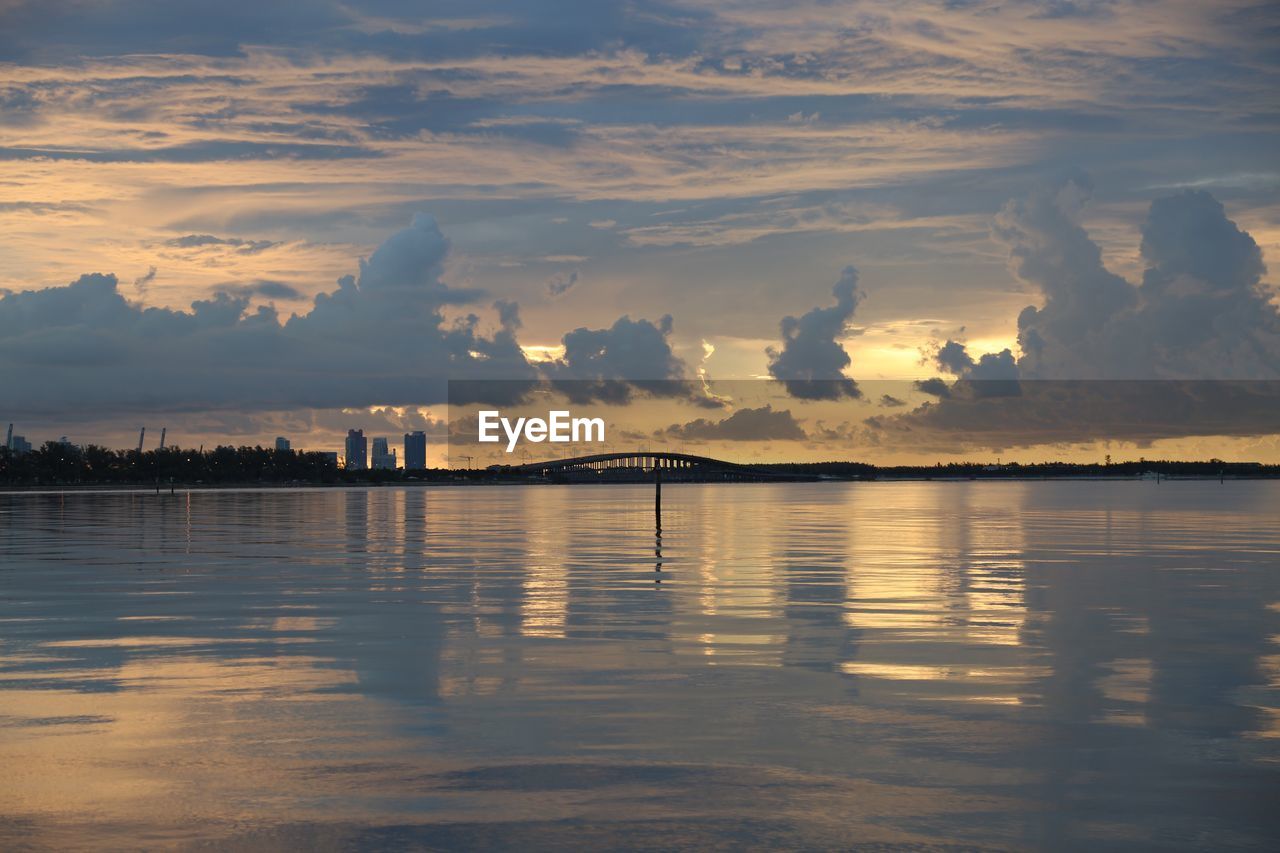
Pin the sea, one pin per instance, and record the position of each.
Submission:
(1018, 665)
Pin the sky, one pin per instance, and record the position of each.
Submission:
(246, 219)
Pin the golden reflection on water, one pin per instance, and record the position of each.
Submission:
(545, 598)
(821, 665)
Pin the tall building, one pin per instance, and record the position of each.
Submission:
(357, 450)
(415, 450)
(19, 445)
(383, 459)
(283, 443)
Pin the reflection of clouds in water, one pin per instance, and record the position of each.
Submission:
(940, 568)
(181, 734)
(888, 658)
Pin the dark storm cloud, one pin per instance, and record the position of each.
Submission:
(762, 424)
(811, 362)
(378, 338)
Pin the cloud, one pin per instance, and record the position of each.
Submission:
(210, 151)
(562, 284)
(143, 281)
(610, 364)
(508, 315)
(1194, 349)
(269, 288)
(325, 118)
(379, 338)
(409, 260)
(888, 401)
(762, 424)
(992, 374)
(953, 358)
(811, 362)
(1066, 411)
(683, 131)
(1199, 312)
(196, 241)
(935, 386)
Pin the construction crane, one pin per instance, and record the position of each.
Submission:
(468, 458)
(142, 433)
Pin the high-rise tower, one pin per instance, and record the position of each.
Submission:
(415, 450)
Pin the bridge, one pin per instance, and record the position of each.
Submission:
(645, 466)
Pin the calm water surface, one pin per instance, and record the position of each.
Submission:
(991, 665)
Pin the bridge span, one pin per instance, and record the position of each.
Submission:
(644, 466)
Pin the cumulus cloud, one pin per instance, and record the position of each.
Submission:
(1064, 411)
(379, 338)
(936, 386)
(992, 374)
(888, 401)
(1199, 312)
(1197, 340)
(610, 364)
(762, 424)
(811, 361)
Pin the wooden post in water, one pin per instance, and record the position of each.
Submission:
(657, 495)
(657, 522)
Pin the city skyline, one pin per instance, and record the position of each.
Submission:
(19, 444)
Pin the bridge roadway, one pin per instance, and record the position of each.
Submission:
(644, 466)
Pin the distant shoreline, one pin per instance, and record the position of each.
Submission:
(64, 467)
(181, 488)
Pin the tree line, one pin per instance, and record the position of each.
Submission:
(55, 463)
(1016, 470)
(59, 464)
